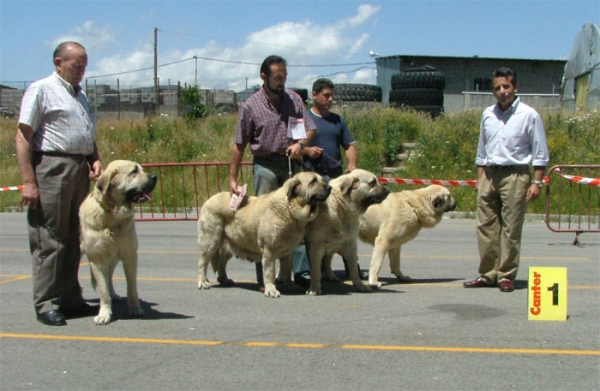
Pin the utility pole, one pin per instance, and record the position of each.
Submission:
(156, 93)
(196, 71)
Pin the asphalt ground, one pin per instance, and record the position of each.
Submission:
(429, 335)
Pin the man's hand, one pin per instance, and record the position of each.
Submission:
(313, 152)
(533, 193)
(233, 187)
(294, 151)
(96, 170)
(30, 195)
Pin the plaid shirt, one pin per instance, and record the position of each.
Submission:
(264, 127)
(59, 116)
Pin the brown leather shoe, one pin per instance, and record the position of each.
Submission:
(506, 286)
(476, 283)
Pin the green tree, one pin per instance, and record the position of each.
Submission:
(192, 103)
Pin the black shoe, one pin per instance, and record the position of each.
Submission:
(52, 318)
(302, 279)
(81, 311)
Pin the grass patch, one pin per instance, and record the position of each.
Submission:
(446, 146)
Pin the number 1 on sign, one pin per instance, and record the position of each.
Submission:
(554, 290)
(547, 293)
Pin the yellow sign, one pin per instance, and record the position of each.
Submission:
(547, 293)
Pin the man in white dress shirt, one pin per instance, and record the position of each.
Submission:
(511, 139)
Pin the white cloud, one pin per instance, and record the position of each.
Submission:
(301, 43)
(89, 34)
(365, 12)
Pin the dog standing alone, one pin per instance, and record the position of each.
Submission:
(108, 231)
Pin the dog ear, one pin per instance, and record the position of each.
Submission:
(348, 184)
(293, 188)
(103, 183)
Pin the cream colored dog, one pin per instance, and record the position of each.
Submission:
(399, 219)
(264, 228)
(108, 231)
(336, 227)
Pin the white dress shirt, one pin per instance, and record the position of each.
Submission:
(59, 116)
(512, 137)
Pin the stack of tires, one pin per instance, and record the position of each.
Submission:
(303, 92)
(419, 88)
(346, 92)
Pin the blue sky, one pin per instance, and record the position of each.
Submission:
(230, 38)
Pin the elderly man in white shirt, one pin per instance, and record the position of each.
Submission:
(58, 156)
(511, 138)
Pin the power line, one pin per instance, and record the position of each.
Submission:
(140, 70)
(230, 62)
(289, 65)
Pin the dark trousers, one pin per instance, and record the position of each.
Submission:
(63, 183)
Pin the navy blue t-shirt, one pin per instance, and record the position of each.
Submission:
(332, 133)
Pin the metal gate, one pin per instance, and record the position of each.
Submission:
(573, 199)
(182, 188)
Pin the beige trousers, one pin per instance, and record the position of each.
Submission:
(501, 207)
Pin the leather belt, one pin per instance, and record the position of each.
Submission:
(60, 154)
(497, 167)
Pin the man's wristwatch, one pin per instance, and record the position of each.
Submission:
(539, 183)
(301, 145)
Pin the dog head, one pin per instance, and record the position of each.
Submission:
(307, 190)
(125, 182)
(362, 187)
(440, 198)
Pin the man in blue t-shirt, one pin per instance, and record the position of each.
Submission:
(323, 154)
(332, 133)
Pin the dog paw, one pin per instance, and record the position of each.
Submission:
(203, 285)
(271, 291)
(375, 284)
(311, 292)
(102, 319)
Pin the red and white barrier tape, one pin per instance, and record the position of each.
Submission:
(401, 181)
(579, 179)
(10, 188)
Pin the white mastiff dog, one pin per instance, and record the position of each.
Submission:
(108, 231)
(264, 228)
(335, 230)
(397, 220)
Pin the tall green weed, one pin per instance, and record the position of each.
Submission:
(446, 145)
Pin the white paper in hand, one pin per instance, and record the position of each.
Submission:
(236, 200)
